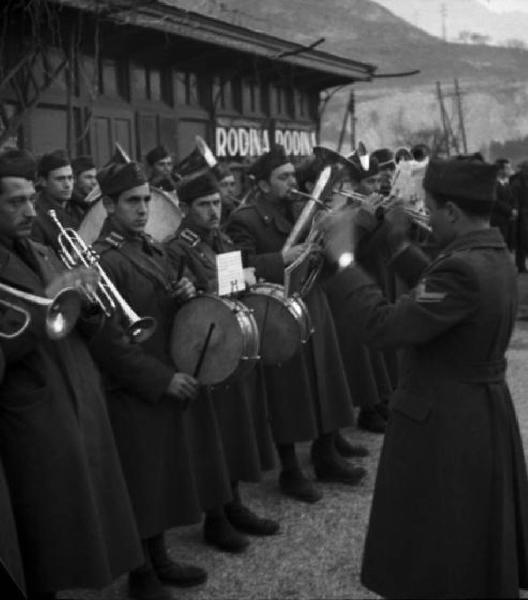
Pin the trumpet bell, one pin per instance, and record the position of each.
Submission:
(62, 313)
(141, 330)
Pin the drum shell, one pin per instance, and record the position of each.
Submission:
(284, 323)
(234, 345)
(164, 217)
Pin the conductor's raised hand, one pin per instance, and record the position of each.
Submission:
(339, 233)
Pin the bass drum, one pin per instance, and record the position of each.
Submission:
(214, 339)
(284, 323)
(164, 216)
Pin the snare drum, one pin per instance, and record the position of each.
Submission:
(233, 345)
(283, 323)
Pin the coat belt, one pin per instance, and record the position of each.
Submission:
(493, 371)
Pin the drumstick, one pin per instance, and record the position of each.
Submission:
(199, 364)
(264, 321)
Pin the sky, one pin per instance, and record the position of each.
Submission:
(506, 5)
(499, 20)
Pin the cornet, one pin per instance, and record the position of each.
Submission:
(62, 311)
(74, 253)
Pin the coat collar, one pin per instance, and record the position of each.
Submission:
(480, 238)
(269, 213)
(17, 272)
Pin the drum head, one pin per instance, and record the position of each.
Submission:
(164, 217)
(278, 329)
(189, 333)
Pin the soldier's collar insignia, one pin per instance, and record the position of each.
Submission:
(190, 237)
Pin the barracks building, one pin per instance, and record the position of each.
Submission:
(96, 72)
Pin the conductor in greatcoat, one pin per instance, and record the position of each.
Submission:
(449, 516)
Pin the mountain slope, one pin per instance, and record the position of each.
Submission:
(366, 31)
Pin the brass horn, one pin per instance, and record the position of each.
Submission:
(74, 252)
(62, 311)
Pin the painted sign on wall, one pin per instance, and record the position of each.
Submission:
(254, 141)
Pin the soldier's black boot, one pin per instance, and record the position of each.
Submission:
(369, 419)
(219, 532)
(243, 519)
(329, 466)
(292, 481)
(143, 583)
(347, 449)
(171, 572)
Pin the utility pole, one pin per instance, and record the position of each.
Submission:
(462, 126)
(443, 16)
(350, 113)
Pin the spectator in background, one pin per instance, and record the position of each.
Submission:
(504, 213)
(519, 190)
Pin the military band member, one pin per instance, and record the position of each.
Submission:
(72, 509)
(241, 405)
(308, 396)
(84, 181)
(227, 186)
(449, 517)
(161, 164)
(171, 455)
(55, 178)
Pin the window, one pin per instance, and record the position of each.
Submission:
(187, 88)
(138, 82)
(109, 78)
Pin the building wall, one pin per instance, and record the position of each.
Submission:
(141, 104)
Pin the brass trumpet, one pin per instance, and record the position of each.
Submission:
(62, 311)
(386, 203)
(74, 253)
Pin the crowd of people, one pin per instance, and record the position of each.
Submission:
(105, 445)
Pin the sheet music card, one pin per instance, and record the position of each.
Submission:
(230, 273)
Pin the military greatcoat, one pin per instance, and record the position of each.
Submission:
(449, 516)
(172, 459)
(240, 405)
(44, 230)
(73, 513)
(308, 395)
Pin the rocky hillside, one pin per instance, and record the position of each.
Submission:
(394, 111)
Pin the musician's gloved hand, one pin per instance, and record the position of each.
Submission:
(184, 388)
(292, 254)
(81, 278)
(339, 235)
(249, 276)
(184, 290)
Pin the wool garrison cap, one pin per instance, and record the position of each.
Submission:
(471, 183)
(157, 153)
(265, 164)
(385, 157)
(54, 160)
(116, 178)
(82, 164)
(197, 186)
(18, 163)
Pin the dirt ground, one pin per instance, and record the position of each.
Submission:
(318, 552)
